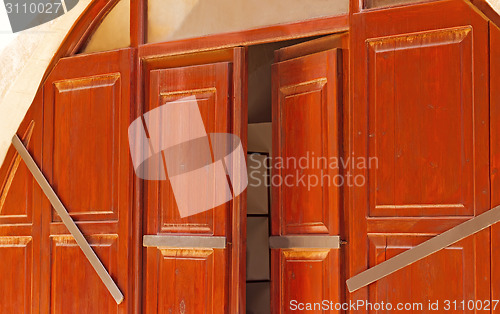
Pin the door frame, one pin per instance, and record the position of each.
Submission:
(357, 202)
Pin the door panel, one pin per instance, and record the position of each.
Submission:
(20, 213)
(305, 88)
(72, 141)
(206, 279)
(420, 107)
(184, 266)
(310, 275)
(16, 280)
(438, 161)
(430, 276)
(87, 111)
(307, 102)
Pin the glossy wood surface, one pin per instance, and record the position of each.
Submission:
(495, 154)
(215, 79)
(422, 97)
(420, 105)
(307, 102)
(313, 27)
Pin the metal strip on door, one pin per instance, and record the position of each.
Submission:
(304, 242)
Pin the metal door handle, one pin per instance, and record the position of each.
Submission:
(304, 242)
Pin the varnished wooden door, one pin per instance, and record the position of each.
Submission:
(307, 123)
(186, 278)
(20, 215)
(87, 110)
(420, 106)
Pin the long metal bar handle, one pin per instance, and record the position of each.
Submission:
(424, 249)
(68, 222)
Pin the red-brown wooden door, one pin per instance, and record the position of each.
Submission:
(185, 278)
(86, 115)
(307, 100)
(20, 228)
(495, 154)
(420, 106)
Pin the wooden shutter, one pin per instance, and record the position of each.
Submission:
(495, 154)
(20, 215)
(87, 111)
(307, 99)
(178, 276)
(420, 106)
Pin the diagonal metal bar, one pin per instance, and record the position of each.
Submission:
(68, 222)
(424, 249)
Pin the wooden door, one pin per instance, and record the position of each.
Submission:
(420, 107)
(87, 110)
(307, 101)
(20, 214)
(189, 269)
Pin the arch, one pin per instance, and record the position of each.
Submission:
(70, 32)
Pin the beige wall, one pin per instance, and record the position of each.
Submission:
(176, 19)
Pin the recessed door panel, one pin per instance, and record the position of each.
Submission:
(446, 275)
(305, 135)
(209, 85)
(423, 128)
(195, 277)
(16, 277)
(72, 275)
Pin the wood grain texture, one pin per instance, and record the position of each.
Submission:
(389, 48)
(86, 116)
(403, 78)
(20, 225)
(495, 153)
(313, 27)
(305, 88)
